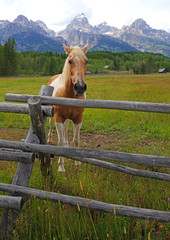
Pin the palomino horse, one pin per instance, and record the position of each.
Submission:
(69, 84)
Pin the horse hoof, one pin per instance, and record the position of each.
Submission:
(77, 163)
(61, 169)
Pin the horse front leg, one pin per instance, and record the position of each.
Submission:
(61, 142)
(76, 138)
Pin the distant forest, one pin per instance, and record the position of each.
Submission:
(13, 63)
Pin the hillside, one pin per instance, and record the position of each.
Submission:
(29, 63)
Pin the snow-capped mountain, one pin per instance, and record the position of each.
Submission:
(141, 28)
(138, 27)
(138, 36)
(104, 28)
(79, 23)
(79, 32)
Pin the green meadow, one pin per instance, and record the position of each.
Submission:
(117, 130)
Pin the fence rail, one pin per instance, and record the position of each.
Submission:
(92, 103)
(149, 160)
(11, 202)
(16, 156)
(23, 109)
(119, 210)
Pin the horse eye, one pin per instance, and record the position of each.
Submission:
(69, 61)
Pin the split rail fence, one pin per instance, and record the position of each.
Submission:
(24, 152)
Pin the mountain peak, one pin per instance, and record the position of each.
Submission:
(80, 23)
(80, 16)
(140, 20)
(80, 19)
(140, 24)
(21, 19)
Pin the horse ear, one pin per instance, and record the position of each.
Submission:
(85, 48)
(67, 49)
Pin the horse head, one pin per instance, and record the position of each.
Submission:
(77, 61)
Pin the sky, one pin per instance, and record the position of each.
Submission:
(56, 14)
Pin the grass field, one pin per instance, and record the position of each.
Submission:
(137, 132)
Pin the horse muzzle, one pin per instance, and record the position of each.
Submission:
(80, 88)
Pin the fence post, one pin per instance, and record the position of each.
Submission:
(21, 178)
(36, 115)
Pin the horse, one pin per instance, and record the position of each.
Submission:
(69, 84)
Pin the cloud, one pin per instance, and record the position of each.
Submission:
(58, 13)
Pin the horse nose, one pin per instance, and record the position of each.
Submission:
(80, 88)
(84, 87)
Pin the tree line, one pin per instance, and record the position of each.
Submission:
(28, 63)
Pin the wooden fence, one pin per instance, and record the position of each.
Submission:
(24, 153)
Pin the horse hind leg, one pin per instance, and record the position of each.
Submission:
(76, 138)
(51, 121)
(61, 142)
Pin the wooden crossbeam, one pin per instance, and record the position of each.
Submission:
(93, 103)
(11, 202)
(23, 109)
(148, 160)
(119, 210)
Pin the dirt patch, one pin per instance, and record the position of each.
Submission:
(98, 141)
(93, 141)
(13, 134)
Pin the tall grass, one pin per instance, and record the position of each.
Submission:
(146, 133)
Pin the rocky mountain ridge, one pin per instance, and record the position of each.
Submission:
(30, 35)
(138, 36)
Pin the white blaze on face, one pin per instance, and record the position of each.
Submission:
(78, 59)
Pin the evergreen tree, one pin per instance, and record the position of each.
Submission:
(150, 67)
(9, 62)
(142, 68)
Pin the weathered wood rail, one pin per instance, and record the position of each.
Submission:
(16, 156)
(23, 109)
(119, 210)
(93, 103)
(87, 153)
(10, 152)
(76, 154)
(11, 202)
